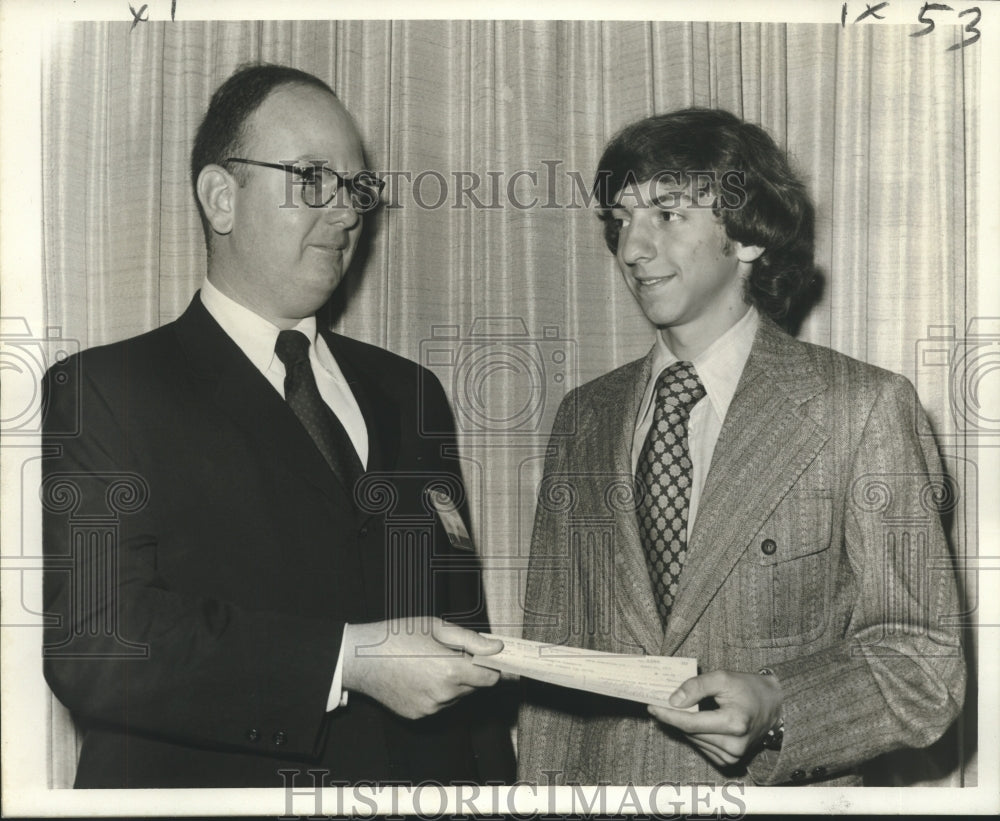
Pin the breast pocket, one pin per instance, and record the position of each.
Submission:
(784, 580)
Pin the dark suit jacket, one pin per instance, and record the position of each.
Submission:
(817, 552)
(202, 560)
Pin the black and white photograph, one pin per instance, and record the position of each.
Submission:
(465, 410)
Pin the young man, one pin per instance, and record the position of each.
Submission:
(747, 478)
(269, 599)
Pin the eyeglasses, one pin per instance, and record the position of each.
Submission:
(321, 184)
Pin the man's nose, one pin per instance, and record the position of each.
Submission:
(345, 215)
(635, 243)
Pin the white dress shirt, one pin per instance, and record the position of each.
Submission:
(256, 337)
(719, 367)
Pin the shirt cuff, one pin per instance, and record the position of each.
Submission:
(338, 695)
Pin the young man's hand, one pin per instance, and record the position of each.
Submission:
(749, 706)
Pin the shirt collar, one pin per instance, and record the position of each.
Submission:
(254, 335)
(719, 366)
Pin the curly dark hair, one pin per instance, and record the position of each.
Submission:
(762, 202)
(224, 127)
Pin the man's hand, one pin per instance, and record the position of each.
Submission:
(749, 705)
(415, 667)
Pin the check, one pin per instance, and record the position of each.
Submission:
(646, 679)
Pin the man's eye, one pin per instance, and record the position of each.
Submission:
(669, 216)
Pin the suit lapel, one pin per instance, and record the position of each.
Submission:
(244, 394)
(615, 413)
(765, 444)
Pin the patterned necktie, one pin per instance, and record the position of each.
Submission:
(320, 422)
(663, 476)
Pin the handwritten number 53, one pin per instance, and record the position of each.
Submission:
(970, 27)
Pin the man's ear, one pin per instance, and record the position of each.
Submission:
(216, 189)
(748, 253)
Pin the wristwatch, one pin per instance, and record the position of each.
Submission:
(773, 738)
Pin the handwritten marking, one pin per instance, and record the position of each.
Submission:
(970, 28)
(922, 17)
(871, 12)
(868, 12)
(138, 18)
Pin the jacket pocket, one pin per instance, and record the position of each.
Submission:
(783, 582)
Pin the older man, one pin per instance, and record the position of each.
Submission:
(781, 527)
(281, 594)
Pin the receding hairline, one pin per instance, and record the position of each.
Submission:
(292, 85)
(250, 126)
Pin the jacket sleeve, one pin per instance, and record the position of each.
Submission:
(124, 649)
(897, 678)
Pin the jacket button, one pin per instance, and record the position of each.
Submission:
(768, 547)
(280, 738)
(798, 775)
(252, 735)
(818, 772)
(363, 533)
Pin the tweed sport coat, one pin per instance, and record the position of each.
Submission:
(202, 560)
(817, 552)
